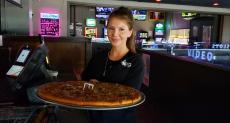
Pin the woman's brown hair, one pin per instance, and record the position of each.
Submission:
(125, 14)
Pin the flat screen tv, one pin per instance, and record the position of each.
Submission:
(189, 15)
(143, 35)
(103, 12)
(159, 32)
(155, 15)
(90, 22)
(139, 15)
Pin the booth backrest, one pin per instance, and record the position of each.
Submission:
(65, 54)
(5, 61)
(181, 78)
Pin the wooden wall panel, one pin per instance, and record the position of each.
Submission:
(66, 55)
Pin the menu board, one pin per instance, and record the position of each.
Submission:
(49, 24)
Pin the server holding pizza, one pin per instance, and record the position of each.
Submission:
(121, 64)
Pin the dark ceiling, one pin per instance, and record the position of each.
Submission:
(207, 3)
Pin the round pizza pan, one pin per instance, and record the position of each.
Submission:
(94, 107)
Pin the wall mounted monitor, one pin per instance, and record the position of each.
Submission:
(139, 15)
(103, 12)
(155, 15)
(159, 29)
(189, 15)
(90, 22)
(143, 35)
(159, 26)
(159, 32)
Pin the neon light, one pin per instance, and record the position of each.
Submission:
(210, 56)
(220, 46)
(50, 13)
(49, 24)
(201, 54)
(90, 22)
(188, 14)
(50, 16)
(159, 26)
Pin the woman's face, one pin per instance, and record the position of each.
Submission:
(118, 31)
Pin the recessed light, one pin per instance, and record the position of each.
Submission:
(216, 4)
(158, 0)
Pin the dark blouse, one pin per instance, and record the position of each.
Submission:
(129, 70)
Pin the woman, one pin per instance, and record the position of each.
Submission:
(121, 64)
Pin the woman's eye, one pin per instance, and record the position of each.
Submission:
(121, 29)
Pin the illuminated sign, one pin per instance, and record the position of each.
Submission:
(220, 46)
(143, 35)
(50, 16)
(139, 14)
(159, 29)
(49, 24)
(188, 14)
(103, 12)
(159, 32)
(201, 54)
(159, 26)
(90, 22)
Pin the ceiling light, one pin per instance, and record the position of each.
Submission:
(158, 0)
(216, 4)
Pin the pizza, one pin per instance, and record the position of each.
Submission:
(82, 93)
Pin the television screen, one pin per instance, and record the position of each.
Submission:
(90, 22)
(159, 26)
(154, 15)
(139, 14)
(189, 15)
(159, 32)
(143, 35)
(103, 12)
